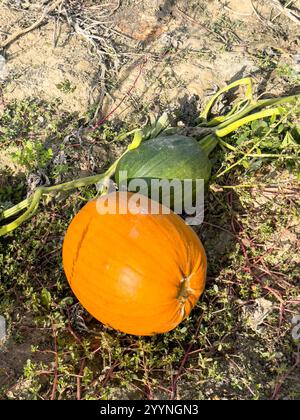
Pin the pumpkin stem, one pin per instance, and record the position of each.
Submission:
(209, 143)
(184, 290)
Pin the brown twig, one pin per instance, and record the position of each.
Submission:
(148, 387)
(78, 380)
(260, 17)
(103, 120)
(220, 227)
(281, 317)
(184, 360)
(55, 380)
(196, 23)
(12, 38)
(115, 8)
(285, 10)
(72, 332)
(282, 379)
(103, 91)
(2, 101)
(109, 374)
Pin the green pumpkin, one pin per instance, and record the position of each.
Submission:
(169, 157)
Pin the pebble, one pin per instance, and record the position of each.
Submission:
(296, 59)
(2, 329)
(2, 67)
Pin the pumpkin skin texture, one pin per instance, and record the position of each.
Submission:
(138, 273)
(165, 157)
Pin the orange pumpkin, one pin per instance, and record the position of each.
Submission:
(138, 273)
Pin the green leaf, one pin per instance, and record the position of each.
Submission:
(273, 119)
(156, 126)
(288, 141)
(137, 139)
(255, 165)
(183, 329)
(46, 298)
(66, 302)
(242, 138)
(246, 164)
(161, 124)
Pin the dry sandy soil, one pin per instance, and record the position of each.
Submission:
(189, 47)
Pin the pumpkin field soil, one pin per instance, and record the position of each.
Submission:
(83, 60)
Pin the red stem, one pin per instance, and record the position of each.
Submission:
(104, 119)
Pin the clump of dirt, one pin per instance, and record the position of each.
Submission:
(151, 20)
(255, 314)
(18, 350)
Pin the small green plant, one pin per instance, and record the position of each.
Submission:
(263, 141)
(267, 59)
(288, 73)
(31, 119)
(33, 154)
(225, 30)
(66, 86)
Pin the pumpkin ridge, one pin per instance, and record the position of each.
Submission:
(163, 304)
(136, 245)
(79, 246)
(155, 222)
(137, 319)
(146, 170)
(149, 170)
(167, 233)
(176, 317)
